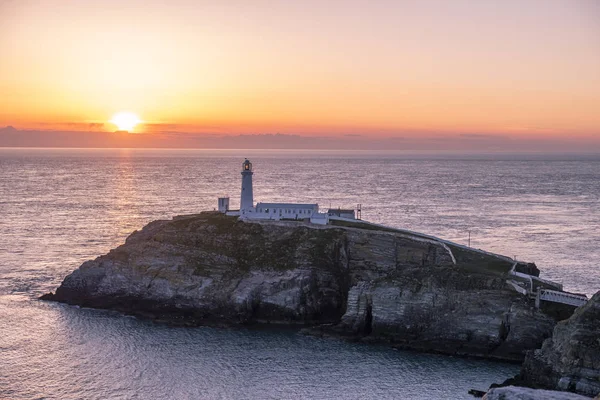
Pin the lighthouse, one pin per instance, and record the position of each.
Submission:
(247, 199)
(308, 212)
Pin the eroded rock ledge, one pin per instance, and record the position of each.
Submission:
(384, 285)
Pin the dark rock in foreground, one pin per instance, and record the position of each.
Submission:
(378, 284)
(570, 359)
(521, 393)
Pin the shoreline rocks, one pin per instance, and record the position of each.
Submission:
(570, 359)
(356, 281)
(523, 393)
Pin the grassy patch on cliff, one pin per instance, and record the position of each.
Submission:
(466, 259)
(250, 245)
(223, 223)
(287, 248)
(479, 262)
(370, 227)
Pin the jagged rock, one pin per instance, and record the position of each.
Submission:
(377, 284)
(570, 359)
(477, 393)
(522, 393)
(527, 268)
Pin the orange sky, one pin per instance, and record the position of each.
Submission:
(381, 69)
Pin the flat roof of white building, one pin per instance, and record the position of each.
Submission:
(285, 205)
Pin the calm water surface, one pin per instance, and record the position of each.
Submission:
(59, 208)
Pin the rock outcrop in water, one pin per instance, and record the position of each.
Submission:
(570, 359)
(521, 393)
(375, 283)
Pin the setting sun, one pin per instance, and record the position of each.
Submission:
(125, 121)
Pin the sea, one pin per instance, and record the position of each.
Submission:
(61, 207)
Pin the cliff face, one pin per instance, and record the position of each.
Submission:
(570, 359)
(405, 289)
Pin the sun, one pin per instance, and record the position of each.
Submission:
(125, 121)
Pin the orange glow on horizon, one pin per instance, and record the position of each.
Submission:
(522, 70)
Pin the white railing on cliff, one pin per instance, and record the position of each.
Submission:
(554, 296)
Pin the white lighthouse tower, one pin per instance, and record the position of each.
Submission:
(247, 199)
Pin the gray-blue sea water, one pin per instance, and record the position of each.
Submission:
(59, 208)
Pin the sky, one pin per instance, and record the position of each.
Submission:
(490, 75)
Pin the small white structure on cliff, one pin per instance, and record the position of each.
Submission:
(273, 211)
(341, 212)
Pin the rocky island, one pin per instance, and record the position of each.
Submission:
(353, 279)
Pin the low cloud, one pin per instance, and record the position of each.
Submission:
(8, 129)
(93, 136)
(483, 136)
